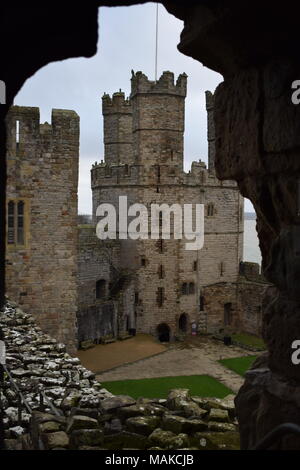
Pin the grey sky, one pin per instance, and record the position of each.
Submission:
(126, 41)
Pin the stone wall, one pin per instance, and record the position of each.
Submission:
(43, 173)
(85, 416)
(105, 314)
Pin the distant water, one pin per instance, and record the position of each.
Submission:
(251, 247)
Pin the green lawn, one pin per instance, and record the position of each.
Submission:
(249, 340)
(199, 385)
(239, 364)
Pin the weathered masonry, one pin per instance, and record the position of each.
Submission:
(41, 241)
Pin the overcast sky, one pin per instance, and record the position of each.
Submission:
(126, 41)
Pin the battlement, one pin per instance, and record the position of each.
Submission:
(164, 85)
(116, 104)
(103, 174)
(63, 122)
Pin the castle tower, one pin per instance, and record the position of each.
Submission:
(41, 239)
(117, 127)
(158, 119)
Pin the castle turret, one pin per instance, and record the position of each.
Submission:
(158, 119)
(117, 123)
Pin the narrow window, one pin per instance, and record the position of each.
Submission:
(191, 288)
(221, 268)
(160, 245)
(201, 303)
(126, 169)
(20, 223)
(11, 223)
(210, 209)
(161, 272)
(143, 261)
(160, 221)
(241, 214)
(158, 173)
(136, 298)
(160, 296)
(195, 265)
(100, 289)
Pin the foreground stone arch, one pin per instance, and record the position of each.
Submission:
(257, 144)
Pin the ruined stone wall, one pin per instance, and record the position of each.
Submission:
(43, 173)
(245, 297)
(98, 260)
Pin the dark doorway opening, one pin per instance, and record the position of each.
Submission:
(182, 323)
(163, 333)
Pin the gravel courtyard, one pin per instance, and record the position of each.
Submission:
(195, 356)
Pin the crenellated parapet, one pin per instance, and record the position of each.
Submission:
(117, 103)
(199, 175)
(165, 84)
(103, 174)
(24, 128)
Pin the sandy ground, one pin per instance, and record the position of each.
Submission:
(105, 357)
(197, 356)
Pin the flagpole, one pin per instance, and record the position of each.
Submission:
(156, 41)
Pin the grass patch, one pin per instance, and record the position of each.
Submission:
(238, 364)
(199, 385)
(249, 340)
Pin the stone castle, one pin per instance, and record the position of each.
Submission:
(82, 288)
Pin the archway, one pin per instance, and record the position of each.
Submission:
(183, 323)
(163, 332)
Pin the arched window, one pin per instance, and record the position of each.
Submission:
(201, 303)
(100, 289)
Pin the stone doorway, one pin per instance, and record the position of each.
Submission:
(163, 333)
(183, 323)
